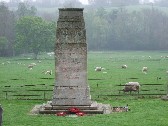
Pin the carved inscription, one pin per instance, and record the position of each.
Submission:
(71, 60)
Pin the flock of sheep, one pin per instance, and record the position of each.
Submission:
(130, 86)
(31, 66)
(144, 69)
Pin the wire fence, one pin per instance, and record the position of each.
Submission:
(44, 91)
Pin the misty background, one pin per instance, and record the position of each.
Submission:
(29, 26)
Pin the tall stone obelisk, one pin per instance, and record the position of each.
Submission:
(71, 88)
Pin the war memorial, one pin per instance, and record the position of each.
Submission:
(71, 88)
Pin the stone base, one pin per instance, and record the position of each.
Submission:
(94, 108)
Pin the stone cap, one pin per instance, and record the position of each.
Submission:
(71, 9)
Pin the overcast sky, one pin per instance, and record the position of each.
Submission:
(83, 1)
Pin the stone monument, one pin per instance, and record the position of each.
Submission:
(71, 59)
(71, 88)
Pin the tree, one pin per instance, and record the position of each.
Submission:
(163, 3)
(72, 3)
(7, 24)
(3, 46)
(14, 3)
(25, 10)
(106, 3)
(34, 35)
(100, 3)
(97, 28)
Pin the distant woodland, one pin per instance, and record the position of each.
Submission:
(29, 27)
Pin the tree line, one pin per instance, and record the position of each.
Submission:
(108, 28)
(121, 29)
(94, 3)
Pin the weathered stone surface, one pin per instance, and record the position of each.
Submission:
(71, 26)
(71, 86)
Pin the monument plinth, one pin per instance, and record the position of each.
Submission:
(71, 88)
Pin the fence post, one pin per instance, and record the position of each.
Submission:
(1, 111)
(44, 95)
(6, 95)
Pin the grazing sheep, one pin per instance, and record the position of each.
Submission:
(144, 70)
(47, 72)
(39, 61)
(8, 62)
(124, 66)
(30, 67)
(98, 69)
(19, 63)
(131, 86)
(50, 53)
(34, 64)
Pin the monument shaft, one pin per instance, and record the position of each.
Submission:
(71, 86)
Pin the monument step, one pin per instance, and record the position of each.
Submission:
(42, 111)
(67, 107)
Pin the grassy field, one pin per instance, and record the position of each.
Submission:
(18, 83)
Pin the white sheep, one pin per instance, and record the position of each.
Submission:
(34, 64)
(30, 67)
(98, 69)
(8, 62)
(39, 61)
(124, 66)
(144, 70)
(131, 86)
(48, 72)
(50, 53)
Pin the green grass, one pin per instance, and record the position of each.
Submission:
(145, 110)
